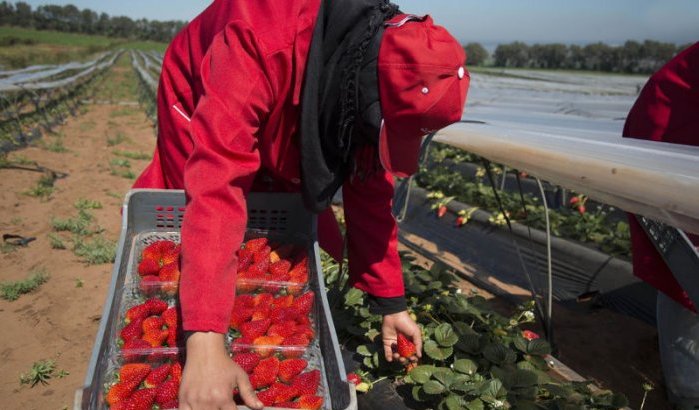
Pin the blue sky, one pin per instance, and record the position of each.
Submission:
(495, 21)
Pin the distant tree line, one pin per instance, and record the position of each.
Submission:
(74, 20)
(632, 57)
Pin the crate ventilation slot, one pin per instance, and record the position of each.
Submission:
(268, 219)
(169, 216)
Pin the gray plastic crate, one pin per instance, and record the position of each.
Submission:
(163, 210)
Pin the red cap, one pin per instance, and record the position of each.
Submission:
(422, 87)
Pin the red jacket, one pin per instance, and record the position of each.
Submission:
(228, 113)
(667, 110)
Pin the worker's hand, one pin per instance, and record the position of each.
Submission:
(403, 323)
(210, 376)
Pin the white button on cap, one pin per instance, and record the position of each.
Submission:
(425, 90)
(461, 73)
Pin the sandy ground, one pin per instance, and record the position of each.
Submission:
(60, 319)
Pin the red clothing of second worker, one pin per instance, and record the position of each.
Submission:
(228, 108)
(667, 110)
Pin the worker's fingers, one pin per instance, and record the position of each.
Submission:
(388, 352)
(247, 393)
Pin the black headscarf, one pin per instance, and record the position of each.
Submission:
(340, 108)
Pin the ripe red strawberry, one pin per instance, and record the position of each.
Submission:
(305, 330)
(244, 301)
(156, 338)
(303, 320)
(277, 393)
(158, 249)
(290, 368)
(155, 306)
(256, 244)
(283, 329)
(247, 361)
(152, 324)
(158, 375)
(244, 258)
(582, 209)
(255, 329)
(133, 330)
(574, 200)
(148, 267)
(171, 337)
(176, 372)
(300, 267)
(120, 392)
(256, 271)
(262, 255)
(173, 405)
(279, 269)
(170, 317)
(171, 256)
(307, 383)
(261, 312)
(167, 392)
(460, 221)
(310, 402)
(264, 299)
(283, 301)
(142, 399)
(304, 303)
(529, 335)
(240, 316)
(282, 314)
(170, 272)
(405, 348)
(134, 372)
(264, 344)
(265, 373)
(354, 378)
(296, 340)
(441, 211)
(137, 312)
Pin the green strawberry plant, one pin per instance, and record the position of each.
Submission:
(473, 357)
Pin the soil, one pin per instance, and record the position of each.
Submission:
(59, 320)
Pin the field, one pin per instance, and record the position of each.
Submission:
(61, 277)
(21, 47)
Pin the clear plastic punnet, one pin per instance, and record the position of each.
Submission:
(274, 263)
(154, 262)
(262, 319)
(150, 377)
(284, 377)
(146, 322)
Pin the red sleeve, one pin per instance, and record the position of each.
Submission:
(219, 173)
(372, 235)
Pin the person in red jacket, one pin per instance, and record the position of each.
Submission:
(666, 110)
(303, 96)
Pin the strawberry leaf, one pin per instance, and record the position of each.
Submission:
(465, 366)
(422, 374)
(434, 387)
(445, 336)
(435, 352)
